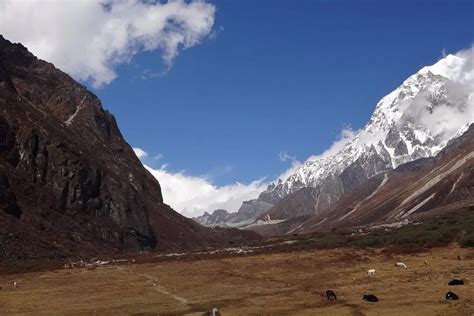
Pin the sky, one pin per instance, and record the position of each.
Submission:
(219, 98)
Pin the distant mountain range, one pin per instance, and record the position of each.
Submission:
(414, 122)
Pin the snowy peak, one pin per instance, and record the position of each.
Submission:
(450, 67)
(414, 121)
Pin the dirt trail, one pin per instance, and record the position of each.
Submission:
(157, 287)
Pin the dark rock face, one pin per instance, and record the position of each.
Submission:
(353, 176)
(58, 145)
(300, 203)
(251, 209)
(7, 198)
(272, 196)
(415, 165)
(393, 137)
(401, 149)
(67, 176)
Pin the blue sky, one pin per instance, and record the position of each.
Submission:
(279, 76)
(219, 89)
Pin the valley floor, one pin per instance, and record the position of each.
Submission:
(277, 283)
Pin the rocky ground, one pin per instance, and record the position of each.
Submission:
(248, 283)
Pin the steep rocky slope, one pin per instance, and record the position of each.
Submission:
(412, 191)
(69, 183)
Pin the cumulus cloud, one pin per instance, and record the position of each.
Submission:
(88, 39)
(345, 136)
(192, 195)
(444, 113)
(285, 156)
(140, 152)
(295, 164)
(158, 157)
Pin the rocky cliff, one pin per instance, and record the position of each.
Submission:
(69, 183)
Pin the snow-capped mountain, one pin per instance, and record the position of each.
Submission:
(244, 216)
(413, 191)
(218, 217)
(414, 121)
(406, 125)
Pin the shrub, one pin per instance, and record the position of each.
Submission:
(366, 241)
(467, 240)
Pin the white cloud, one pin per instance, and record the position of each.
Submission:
(295, 164)
(285, 156)
(140, 152)
(191, 195)
(444, 113)
(346, 135)
(158, 157)
(88, 39)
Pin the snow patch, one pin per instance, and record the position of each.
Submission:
(79, 107)
(382, 183)
(456, 183)
(414, 209)
(264, 222)
(391, 225)
(352, 211)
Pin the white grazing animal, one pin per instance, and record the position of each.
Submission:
(15, 284)
(401, 265)
(371, 272)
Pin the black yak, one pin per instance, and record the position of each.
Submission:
(370, 298)
(331, 295)
(451, 296)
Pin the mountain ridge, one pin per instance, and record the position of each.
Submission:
(70, 185)
(399, 131)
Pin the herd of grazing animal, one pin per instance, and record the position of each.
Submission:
(331, 295)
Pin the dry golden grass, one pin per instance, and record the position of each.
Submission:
(282, 283)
